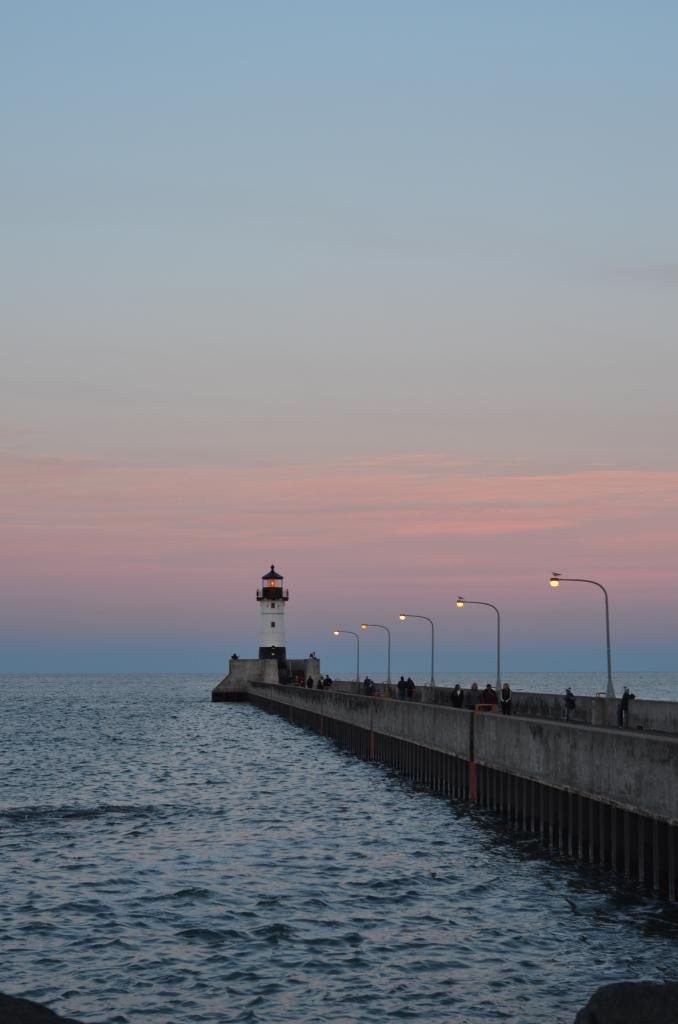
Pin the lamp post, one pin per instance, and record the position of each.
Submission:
(375, 625)
(357, 648)
(460, 604)
(402, 618)
(555, 581)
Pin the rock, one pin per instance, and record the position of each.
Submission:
(24, 1011)
(642, 1002)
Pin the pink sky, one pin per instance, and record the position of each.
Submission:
(127, 551)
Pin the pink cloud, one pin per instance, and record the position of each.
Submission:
(410, 517)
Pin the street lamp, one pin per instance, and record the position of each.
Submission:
(555, 581)
(375, 625)
(460, 604)
(350, 632)
(402, 618)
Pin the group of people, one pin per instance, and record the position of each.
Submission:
(486, 699)
(321, 683)
(406, 688)
(474, 698)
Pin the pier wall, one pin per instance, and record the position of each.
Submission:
(606, 797)
(446, 730)
(242, 673)
(634, 771)
(246, 672)
(645, 715)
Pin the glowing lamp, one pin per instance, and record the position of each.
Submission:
(460, 602)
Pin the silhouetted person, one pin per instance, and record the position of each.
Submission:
(368, 686)
(489, 696)
(309, 683)
(402, 688)
(410, 688)
(569, 702)
(473, 696)
(623, 709)
(457, 697)
(505, 699)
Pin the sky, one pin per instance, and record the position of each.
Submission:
(383, 293)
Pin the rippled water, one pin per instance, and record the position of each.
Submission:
(164, 858)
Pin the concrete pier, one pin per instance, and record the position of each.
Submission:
(648, 715)
(245, 672)
(603, 796)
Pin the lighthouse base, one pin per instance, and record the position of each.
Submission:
(245, 673)
(278, 654)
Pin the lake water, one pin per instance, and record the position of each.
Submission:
(167, 859)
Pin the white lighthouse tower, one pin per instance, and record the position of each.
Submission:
(272, 599)
(272, 667)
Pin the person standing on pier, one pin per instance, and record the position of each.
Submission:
(489, 696)
(506, 698)
(570, 703)
(457, 697)
(623, 709)
(473, 696)
(410, 688)
(402, 688)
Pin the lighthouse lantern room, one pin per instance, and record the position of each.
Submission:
(272, 600)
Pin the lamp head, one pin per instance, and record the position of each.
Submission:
(460, 602)
(336, 632)
(363, 625)
(555, 579)
(402, 617)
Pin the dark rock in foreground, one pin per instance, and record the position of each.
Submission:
(23, 1011)
(643, 1002)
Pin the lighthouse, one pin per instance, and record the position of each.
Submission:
(272, 599)
(272, 667)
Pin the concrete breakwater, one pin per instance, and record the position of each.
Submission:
(648, 715)
(604, 796)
